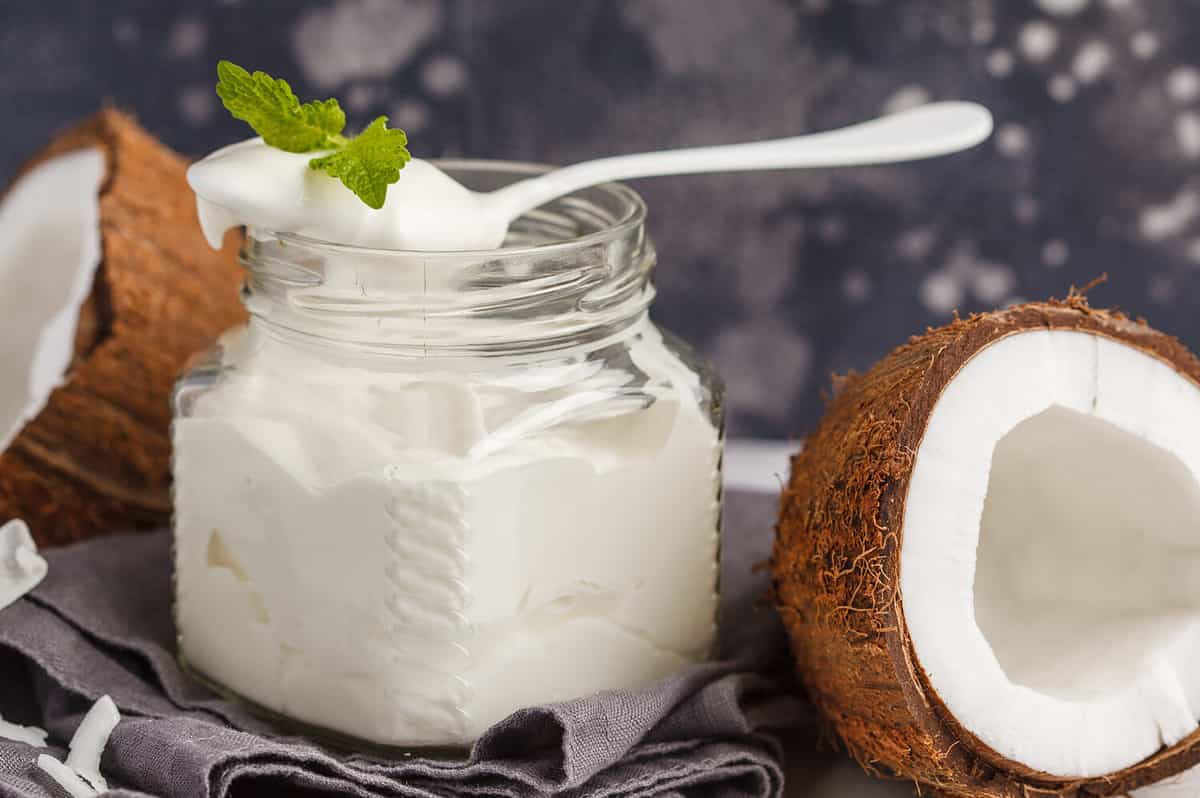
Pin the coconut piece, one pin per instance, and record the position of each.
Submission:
(107, 287)
(80, 774)
(987, 556)
(30, 735)
(68, 779)
(21, 567)
(88, 742)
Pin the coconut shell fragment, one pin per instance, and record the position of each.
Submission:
(94, 458)
(837, 565)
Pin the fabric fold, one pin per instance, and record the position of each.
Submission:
(101, 623)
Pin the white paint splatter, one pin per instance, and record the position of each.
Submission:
(444, 75)
(361, 38)
(768, 378)
(1160, 288)
(196, 104)
(1026, 209)
(126, 32)
(360, 96)
(187, 38)
(831, 228)
(1183, 84)
(857, 286)
(763, 287)
(1157, 222)
(1061, 87)
(410, 115)
(916, 244)
(1091, 61)
(1062, 8)
(999, 63)
(991, 282)
(906, 97)
(941, 292)
(982, 30)
(1012, 140)
(1037, 40)
(1187, 133)
(1055, 253)
(1143, 44)
(685, 44)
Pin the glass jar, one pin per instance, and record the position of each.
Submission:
(421, 490)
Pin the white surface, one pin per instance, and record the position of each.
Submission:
(759, 466)
(256, 185)
(840, 777)
(50, 226)
(1070, 644)
(21, 567)
(382, 534)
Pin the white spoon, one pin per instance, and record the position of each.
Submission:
(250, 183)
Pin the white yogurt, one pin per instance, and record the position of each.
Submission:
(366, 551)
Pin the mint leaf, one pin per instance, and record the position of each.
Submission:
(366, 164)
(369, 162)
(268, 105)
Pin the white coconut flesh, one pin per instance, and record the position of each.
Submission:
(1050, 563)
(49, 251)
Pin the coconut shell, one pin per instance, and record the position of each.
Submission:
(96, 459)
(836, 560)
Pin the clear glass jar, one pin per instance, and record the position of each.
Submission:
(421, 490)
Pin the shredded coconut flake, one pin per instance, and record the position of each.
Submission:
(30, 735)
(80, 775)
(21, 567)
(68, 779)
(87, 745)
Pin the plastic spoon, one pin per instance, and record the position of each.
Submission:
(923, 132)
(250, 183)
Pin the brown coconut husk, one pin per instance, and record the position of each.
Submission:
(96, 459)
(836, 565)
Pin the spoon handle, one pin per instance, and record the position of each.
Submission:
(922, 132)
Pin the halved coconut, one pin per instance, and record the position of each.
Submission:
(988, 556)
(106, 288)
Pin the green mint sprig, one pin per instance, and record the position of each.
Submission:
(366, 164)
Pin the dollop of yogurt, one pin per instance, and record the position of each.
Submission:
(252, 184)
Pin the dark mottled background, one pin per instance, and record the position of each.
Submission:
(781, 278)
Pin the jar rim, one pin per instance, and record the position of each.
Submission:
(633, 205)
(578, 269)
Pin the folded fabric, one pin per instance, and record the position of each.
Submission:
(101, 623)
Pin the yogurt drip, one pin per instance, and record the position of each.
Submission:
(251, 184)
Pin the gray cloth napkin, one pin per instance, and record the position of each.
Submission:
(101, 623)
